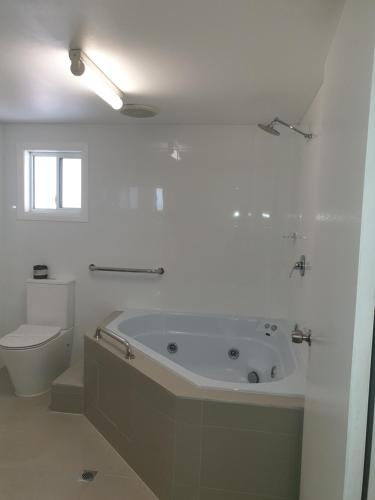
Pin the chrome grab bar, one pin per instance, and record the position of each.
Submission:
(129, 354)
(159, 270)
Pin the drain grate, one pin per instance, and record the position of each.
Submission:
(88, 475)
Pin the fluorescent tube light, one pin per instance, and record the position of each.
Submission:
(94, 78)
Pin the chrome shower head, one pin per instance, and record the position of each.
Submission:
(269, 128)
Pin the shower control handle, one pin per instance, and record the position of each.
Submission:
(299, 336)
(301, 265)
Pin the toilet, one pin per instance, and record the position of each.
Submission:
(37, 352)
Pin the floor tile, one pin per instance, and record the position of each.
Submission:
(117, 488)
(43, 453)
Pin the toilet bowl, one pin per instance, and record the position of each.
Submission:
(34, 356)
(39, 351)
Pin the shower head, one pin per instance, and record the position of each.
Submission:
(270, 128)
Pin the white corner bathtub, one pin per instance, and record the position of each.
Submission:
(220, 352)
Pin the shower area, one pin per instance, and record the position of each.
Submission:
(211, 403)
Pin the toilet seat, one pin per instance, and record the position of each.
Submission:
(29, 336)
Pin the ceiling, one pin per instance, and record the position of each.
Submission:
(199, 61)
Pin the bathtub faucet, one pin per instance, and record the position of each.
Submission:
(129, 354)
(299, 336)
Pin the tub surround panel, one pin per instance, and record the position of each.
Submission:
(66, 402)
(190, 447)
(239, 416)
(215, 494)
(67, 391)
(250, 461)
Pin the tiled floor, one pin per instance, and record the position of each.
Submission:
(43, 453)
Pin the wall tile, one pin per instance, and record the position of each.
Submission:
(215, 494)
(90, 375)
(260, 418)
(183, 492)
(114, 394)
(189, 410)
(109, 431)
(66, 402)
(149, 464)
(187, 454)
(245, 461)
(156, 396)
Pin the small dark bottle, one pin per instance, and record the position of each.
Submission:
(40, 272)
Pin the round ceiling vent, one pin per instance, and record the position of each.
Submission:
(139, 110)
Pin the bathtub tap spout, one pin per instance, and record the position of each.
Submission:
(299, 336)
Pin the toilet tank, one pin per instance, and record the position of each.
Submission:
(50, 302)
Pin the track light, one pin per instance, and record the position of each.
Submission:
(94, 78)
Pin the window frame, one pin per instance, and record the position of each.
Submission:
(25, 203)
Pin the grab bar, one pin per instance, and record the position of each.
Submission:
(159, 270)
(129, 354)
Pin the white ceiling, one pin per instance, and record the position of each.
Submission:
(199, 61)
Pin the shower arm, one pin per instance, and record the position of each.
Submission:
(292, 127)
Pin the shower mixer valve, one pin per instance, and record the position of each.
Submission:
(301, 265)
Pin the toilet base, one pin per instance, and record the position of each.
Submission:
(33, 370)
(31, 395)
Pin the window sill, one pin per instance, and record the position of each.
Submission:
(54, 215)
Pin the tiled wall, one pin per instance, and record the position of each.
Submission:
(3, 265)
(214, 215)
(191, 449)
(336, 298)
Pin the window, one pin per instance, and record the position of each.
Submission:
(53, 185)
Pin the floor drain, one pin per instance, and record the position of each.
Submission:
(88, 475)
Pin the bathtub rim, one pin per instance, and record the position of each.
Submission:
(179, 385)
(292, 385)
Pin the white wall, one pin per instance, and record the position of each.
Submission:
(214, 261)
(2, 263)
(336, 299)
(364, 320)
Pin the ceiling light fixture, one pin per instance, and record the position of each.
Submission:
(94, 78)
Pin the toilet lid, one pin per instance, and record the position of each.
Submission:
(29, 336)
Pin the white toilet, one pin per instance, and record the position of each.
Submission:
(36, 353)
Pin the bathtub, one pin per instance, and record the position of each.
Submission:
(221, 352)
